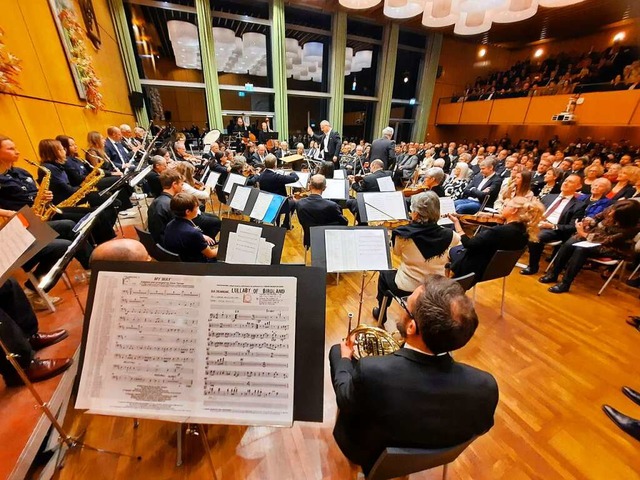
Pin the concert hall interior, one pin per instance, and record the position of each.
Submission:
(446, 191)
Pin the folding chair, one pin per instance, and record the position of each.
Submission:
(500, 266)
(610, 262)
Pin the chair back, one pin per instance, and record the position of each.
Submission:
(501, 264)
(467, 281)
(164, 255)
(147, 240)
(397, 462)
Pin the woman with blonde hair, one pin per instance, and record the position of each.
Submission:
(591, 173)
(457, 181)
(625, 183)
(521, 217)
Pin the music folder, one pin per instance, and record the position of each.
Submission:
(381, 206)
(256, 204)
(270, 233)
(233, 179)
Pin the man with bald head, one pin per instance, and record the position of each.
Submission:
(120, 250)
(317, 211)
(115, 150)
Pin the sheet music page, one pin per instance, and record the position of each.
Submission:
(232, 179)
(385, 184)
(586, 244)
(336, 189)
(264, 252)
(212, 180)
(446, 207)
(339, 174)
(191, 348)
(243, 245)
(240, 198)
(138, 178)
(356, 250)
(372, 249)
(261, 206)
(15, 240)
(385, 206)
(303, 180)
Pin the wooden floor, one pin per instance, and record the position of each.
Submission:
(557, 359)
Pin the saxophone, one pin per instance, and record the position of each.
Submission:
(87, 186)
(42, 209)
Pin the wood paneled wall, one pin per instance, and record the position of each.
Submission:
(47, 104)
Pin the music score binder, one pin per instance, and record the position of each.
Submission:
(272, 234)
(337, 189)
(256, 204)
(381, 206)
(233, 179)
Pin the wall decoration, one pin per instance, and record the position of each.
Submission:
(9, 68)
(71, 34)
(92, 29)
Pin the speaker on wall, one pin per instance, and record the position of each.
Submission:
(136, 99)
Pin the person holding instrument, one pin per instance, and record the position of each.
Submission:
(521, 218)
(431, 182)
(422, 246)
(418, 396)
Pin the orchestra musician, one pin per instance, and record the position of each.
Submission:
(316, 211)
(366, 183)
(422, 246)
(330, 142)
(432, 181)
(241, 131)
(76, 169)
(115, 149)
(159, 165)
(272, 182)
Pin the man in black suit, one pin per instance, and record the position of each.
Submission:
(272, 182)
(562, 212)
(369, 183)
(484, 185)
(384, 148)
(330, 143)
(153, 177)
(509, 163)
(115, 150)
(317, 211)
(537, 179)
(417, 397)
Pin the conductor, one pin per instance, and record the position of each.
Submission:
(330, 143)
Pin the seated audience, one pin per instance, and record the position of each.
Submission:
(422, 247)
(613, 230)
(484, 186)
(518, 185)
(562, 212)
(521, 217)
(181, 235)
(406, 166)
(552, 182)
(455, 184)
(596, 201)
(417, 397)
(591, 173)
(625, 183)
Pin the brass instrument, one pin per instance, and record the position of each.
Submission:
(371, 341)
(41, 208)
(87, 186)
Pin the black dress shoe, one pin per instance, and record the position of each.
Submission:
(635, 282)
(375, 312)
(41, 340)
(39, 370)
(548, 278)
(626, 424)
(528, 271)
(559, 288)
(632, 394)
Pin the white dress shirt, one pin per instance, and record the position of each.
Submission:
(555, 215)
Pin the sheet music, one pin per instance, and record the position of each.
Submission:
(446, 207)
(87, 218)
(357, 249)
(240, 198)
(382, 206)
(385, 184)
(212, 180)
(339, 174)
(232, 179)
(261, 206)
(15, 240)
(191, 348)
(336, 189)
(303, 180)
(138, 178)
(243, 244)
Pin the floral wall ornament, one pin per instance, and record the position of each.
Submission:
(71, 33)
(9, 68)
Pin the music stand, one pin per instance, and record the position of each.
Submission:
(271, 234)
(381, 206)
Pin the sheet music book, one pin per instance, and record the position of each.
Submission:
(337, 189)
(247, 246)
(202, 349)
(385, 184)
(382, 206)
(339, 174)
(232, 179)
(447, 207)
(15, 240)
(266, 207)
(212, 180)
(302, 182)
(138, 178)
(239, 197)
(356, 249)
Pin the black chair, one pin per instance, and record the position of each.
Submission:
(500, 266)
(154, 250)
(164, 255)
(398, 462)
(467, 281)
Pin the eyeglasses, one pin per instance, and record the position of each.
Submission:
(403, 303)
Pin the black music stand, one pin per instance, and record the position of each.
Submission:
(366, 209)
(270, 233)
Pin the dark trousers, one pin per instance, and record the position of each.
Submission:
(387, 281)
(17, 324)
(102, 230)
(536, 248)
(208, 223)
(571, 259)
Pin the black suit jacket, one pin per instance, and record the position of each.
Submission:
(159, 215)
(572, 212)
(408, 399)
(272, 182)
(369, 182)
(493, 184)
(383, 149)
(317, 211)
(153, 181)
(112, 152)
(333, 146)
(537, 183)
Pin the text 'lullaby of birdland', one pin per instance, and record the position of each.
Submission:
(191, 348)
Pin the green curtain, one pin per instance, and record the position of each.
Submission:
(128, 56)
(338, 51)
(386, 77)
(209, 67)
(279, 68)
(427, 85)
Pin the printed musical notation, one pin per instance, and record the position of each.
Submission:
(219, 348)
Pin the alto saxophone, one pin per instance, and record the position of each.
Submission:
(87, 186)
(41, 208)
